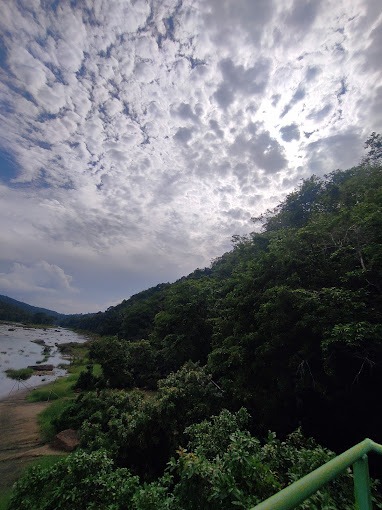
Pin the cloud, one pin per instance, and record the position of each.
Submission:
(36, 278)
(184, 111)
(296, 98)
(136, 136)
(341, 150)
(319, 115)
(373, 58)
(226, 19)
(312, 73)
(303, 14)
(237, 79)
(289, 133)
(265, 151)
(183, 135)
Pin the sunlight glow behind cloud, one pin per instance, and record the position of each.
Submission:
(137, 137)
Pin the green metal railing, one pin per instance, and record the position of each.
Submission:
(294, 494)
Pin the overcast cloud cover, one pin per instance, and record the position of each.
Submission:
(136, 137)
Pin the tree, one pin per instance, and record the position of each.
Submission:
(113, 356)
(373, 145)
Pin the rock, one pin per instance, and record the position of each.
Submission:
(38, 341)
(67, 440)
(11, 329)
(42, 368)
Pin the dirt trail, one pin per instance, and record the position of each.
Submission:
(20, 441)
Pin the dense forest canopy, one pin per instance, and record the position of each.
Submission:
(284, 331)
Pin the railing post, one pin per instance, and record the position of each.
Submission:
(362, 484)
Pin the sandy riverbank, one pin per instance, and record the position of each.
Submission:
(20, 441)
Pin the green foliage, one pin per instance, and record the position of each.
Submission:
(236, 479)
(181, 331)
(48, 416)
(80, 481)
(373, 145)
(5, 496)
(42, 318)
(186, 396)
(132, 319)
(21, 373)
(126, 364)
(211, 438)
(86, 380)
(112, 354)
(237, 472)
(141, 433)
(242, 472)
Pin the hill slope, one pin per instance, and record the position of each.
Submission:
(29, 308)
(13, 310)
(288, 322)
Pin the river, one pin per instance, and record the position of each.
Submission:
(18, 350)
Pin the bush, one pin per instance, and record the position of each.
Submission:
(79, 481)
(86, 380)
(237, 472)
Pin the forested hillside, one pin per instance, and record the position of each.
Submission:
(17, 311)
(286, 325)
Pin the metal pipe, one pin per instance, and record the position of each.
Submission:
(297, 492)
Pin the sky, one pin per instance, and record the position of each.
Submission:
(138, 136)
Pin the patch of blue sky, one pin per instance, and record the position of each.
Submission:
(54, 4)
(3, 54)
(8, 167)
(9, 170)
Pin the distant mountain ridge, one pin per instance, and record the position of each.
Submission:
(30, 308)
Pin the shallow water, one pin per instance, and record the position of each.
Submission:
(17, 350)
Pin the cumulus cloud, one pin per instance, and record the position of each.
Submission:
(289, 133)
(373, 58)
(143, 134)
(38, 277)
(303, 14)
(340, 150)
(297, 97)
(320, 114)
(183, 135)
(237, 79)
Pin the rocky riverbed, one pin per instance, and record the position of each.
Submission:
(22, 347)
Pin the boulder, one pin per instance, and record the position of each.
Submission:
(67, 440)
(38, 341)
(42, 368)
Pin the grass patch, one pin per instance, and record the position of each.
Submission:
(46, 417)
(47, 461)
(5, 496)
(61, 392)
(77, 352)
(21, 373)
(60, 388)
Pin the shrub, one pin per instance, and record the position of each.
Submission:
(79, 481)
